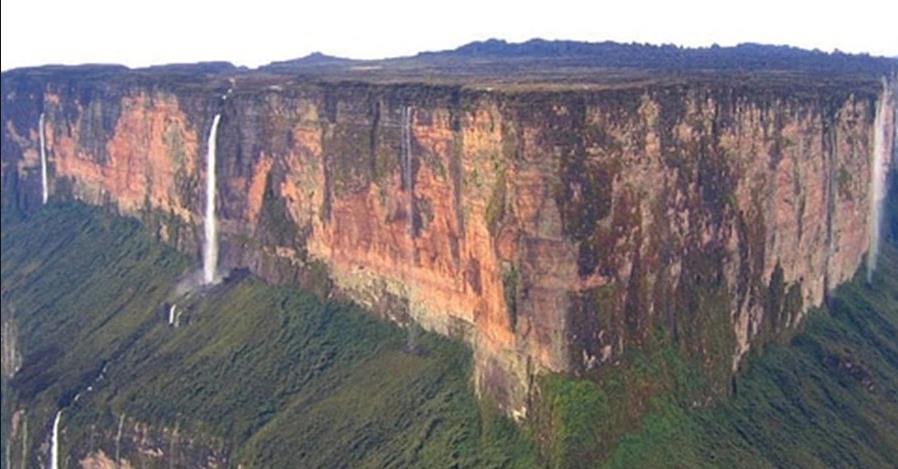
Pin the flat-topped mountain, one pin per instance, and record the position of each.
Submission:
(565, 209)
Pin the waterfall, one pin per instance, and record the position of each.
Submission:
(54, 442)
(408, 183)
(878, 177)
(8, 456)
(45, 192)
(24, 439)
(118, 439)
(210, 251)
(407, 166)
(171, 315)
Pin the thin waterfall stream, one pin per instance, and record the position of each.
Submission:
(45, 192)
(210, 249)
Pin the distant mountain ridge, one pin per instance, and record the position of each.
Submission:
(314, 59)
(636, 54)
(497, 55)
(746, 56)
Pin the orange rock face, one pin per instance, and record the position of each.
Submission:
(551, 231)
(152, 146)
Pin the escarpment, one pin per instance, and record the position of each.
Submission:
(553, 229)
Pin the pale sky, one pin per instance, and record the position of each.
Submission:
(255, 32)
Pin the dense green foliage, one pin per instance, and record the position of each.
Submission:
(276, 375)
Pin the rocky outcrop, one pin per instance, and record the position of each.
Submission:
(135, 444)
(552, 228)
(127, 443)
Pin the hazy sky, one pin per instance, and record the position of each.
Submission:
(254, 32)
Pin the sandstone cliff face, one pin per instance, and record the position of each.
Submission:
(551, 230)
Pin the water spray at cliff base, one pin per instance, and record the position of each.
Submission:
(210, 248)
(884, 128)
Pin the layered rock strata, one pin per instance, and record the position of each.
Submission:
(554, 230)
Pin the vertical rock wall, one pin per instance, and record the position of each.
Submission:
(552, 231)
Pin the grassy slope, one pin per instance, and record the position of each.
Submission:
(281, 377)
